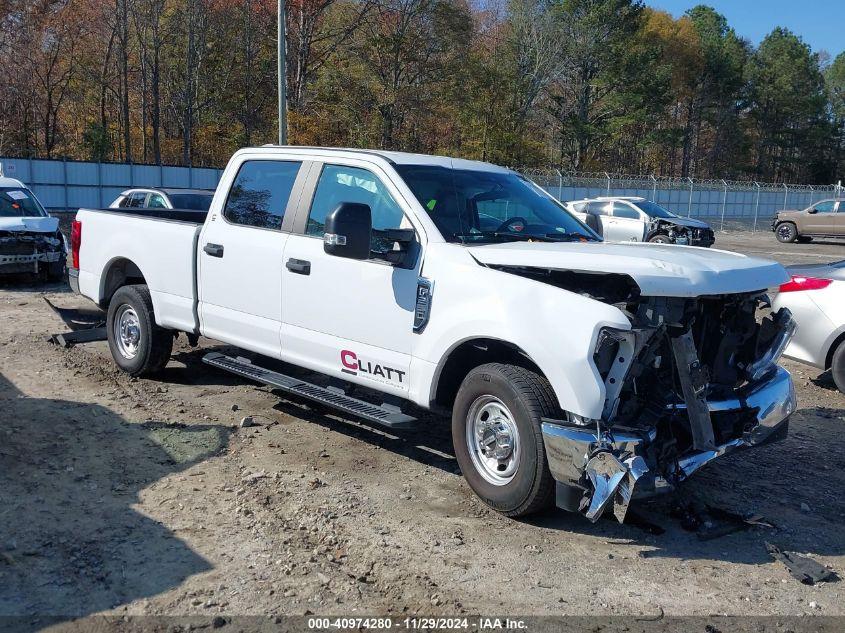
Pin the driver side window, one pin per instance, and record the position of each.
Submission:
(156, 202)
(622, 210)
(339, 184)
(825, 206)
(598, 208)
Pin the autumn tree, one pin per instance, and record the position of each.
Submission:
(593, 85)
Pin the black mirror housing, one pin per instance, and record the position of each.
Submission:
(349, 230)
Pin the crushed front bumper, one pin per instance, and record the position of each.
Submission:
(28, 262)
(595, 473)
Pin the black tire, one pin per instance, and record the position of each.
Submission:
(528, 397)
(56, 271)
(153, 345)
(786, 232)
(660, 238)
(837, 367)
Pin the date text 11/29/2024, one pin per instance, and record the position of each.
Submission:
(417, 623)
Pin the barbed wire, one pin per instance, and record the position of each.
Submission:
(617, 180)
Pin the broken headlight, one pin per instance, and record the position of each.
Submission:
(784, 326)
(607, 346)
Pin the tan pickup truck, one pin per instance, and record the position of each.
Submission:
(825, 218)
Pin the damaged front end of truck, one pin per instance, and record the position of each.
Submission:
(693, 379)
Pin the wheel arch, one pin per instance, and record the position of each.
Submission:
(788, 221)
(118, 272)
(467, 354)
(831, 350)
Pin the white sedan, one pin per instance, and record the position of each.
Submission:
(816, 297)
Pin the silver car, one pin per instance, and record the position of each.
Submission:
(816, 297)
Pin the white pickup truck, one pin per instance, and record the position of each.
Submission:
(574, 370)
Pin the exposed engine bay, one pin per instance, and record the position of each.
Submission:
(684, 353)
(694, 378)
(31, 252)
(679, 232)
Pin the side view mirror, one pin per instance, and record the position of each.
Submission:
(812, 210)
(348, 231)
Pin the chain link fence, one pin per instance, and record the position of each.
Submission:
(64, 186)
(728, 204)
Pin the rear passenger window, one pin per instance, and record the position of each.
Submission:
(137, 200)
(260, 193)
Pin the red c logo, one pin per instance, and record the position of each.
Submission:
(349, 359)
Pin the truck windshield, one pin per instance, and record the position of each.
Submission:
(654, 210)
(16, 202)
(477, 207)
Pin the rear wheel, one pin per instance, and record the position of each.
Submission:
(786, 232)
(137, 344)
(837, 367)
(660, 238)
(497, 435)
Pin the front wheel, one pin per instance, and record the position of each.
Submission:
(660, 238)
(137, 344)
(837, 367)
(786, 232)
(498, 440)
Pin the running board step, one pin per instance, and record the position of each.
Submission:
(385, 415)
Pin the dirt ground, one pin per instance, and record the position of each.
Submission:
(125, 496)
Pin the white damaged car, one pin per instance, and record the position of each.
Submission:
(30, 240)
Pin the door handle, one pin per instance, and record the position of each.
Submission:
(215, 250)
(298, 266)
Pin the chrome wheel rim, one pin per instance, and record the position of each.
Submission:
(127, 331)
(785, 232)
(493, 440)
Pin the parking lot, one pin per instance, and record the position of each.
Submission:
(128, 496)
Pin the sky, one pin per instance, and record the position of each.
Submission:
(820, 23)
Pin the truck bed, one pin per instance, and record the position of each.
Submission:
(157, 247)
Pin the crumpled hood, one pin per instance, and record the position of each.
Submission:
(33, 225)
(688, 222)
(663, 271)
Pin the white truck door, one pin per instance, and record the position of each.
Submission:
(348, 318)
(625, 223)
(240, 254)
